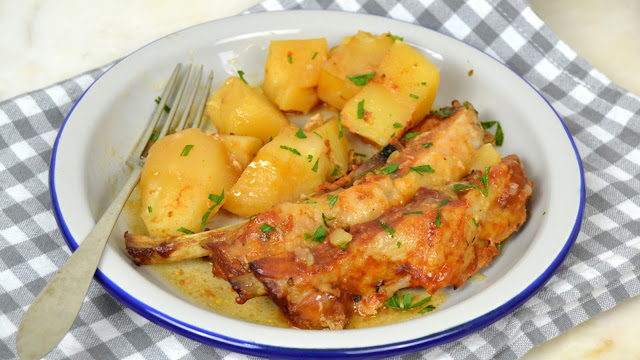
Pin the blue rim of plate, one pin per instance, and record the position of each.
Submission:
(386, 350)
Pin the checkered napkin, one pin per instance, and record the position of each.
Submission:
(600, 272)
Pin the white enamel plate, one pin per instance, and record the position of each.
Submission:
(106, 122)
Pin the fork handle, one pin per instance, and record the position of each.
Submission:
(54, 310)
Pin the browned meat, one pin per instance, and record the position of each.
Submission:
(439, 239)
(440, 152)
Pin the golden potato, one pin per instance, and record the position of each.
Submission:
(291, 73)
(399, 95)
(356, 55)
(237, 108)
(241, 149)
(485, 156)
(183, 174)
(287, 168)
(339, 155)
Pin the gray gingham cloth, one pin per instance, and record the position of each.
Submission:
(600, 272)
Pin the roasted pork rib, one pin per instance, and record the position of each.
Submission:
(438, 239)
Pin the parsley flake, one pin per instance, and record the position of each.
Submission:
(186, 150)
(410, 135)
(484, 179)
(475, 222)
(397, 125)
(499, 135)
(438, 216)
(340, 134)
(413, 212)
(404, 305)
(359, 155)
(422, 169)
(265, 228)
(300, 134)
(320, 234)
(325, 219)
(389, 229)
(427, 145)
(390, 169)
(284, 147)
(428, 308)
(332, 200)
(361, 79)
(315, 166)
(217, 200)
(443, 203)
(314, 55)
(413, 96)
(361, 109)
(241, 75)
(336, 171)
(185, 230)
(157, 100)
(150, 209)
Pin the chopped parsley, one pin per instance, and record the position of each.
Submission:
(438, 216)
(241, 75)
(166, 108)
(325, 219)
(185, 230)
(290, 58)
(444, 113)
(150, 209)
(284, 147)
(320, 234)
(332, 200)
(157, 100)
(413, 212)
(340, 134)
(186, 150)
(499, 247)
(389, 229)
(422, 169)
(309, 158)
(318, 135)
(499, 135)
(390, 169)
(427, 145)
(155, 136)
(475, 222)
(404, 305)
(413, 96)
(343, 246)
(484, 179)
(410, 135)
(336, 171)
(307, 236)
(265, 228)
(443, 203)
(428, 308)
(361, 109)
(395, 37)
(399, 244)
(359, 155)
(217, 200)
(314, 55)
(311, 202)
(361, 79)
(300, 134)
(397, 125)
(315, 166)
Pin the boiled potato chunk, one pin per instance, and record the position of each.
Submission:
(285, 169)
(356, 55)
(291, 73)
(241, 149)
(399, 95)
(237, 108)
(180, 173)
(339, 146)
(485, 156)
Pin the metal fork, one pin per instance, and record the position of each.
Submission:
(53, 312)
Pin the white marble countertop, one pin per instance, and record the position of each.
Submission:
(48, 41)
